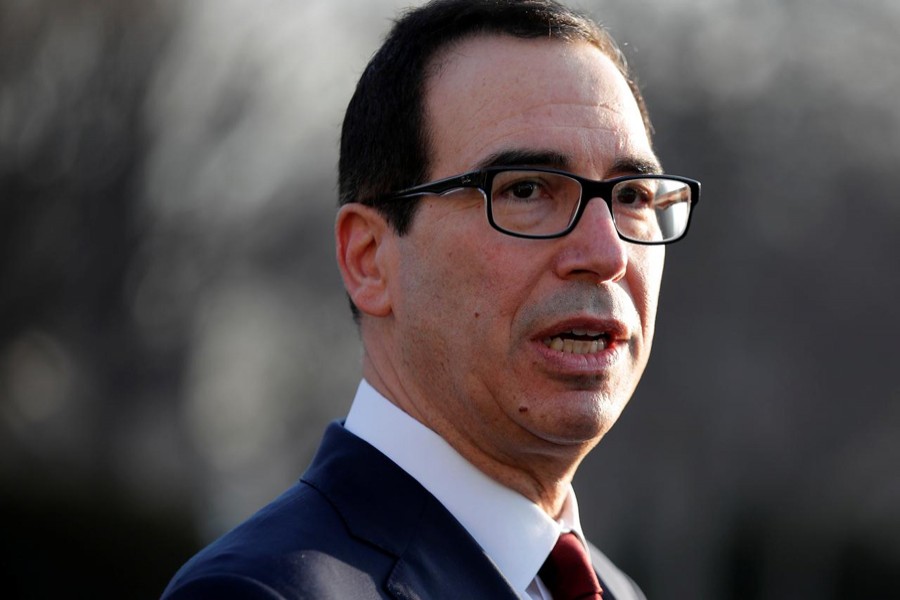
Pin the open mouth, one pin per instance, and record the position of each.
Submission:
(578, 341)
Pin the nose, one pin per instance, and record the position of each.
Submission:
(593, 250)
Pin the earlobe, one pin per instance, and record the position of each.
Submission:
(363, 240)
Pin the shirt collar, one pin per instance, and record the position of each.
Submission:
(513, 531)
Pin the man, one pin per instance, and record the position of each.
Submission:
(506, 298)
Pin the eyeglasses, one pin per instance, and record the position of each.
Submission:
(540, 203)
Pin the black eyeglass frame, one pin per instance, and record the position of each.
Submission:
(483, 180)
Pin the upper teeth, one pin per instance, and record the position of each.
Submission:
(585, 332)
(576, 346)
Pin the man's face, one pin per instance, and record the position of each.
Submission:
(474, 310)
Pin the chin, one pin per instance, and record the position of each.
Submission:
(593, 420)
(572, 412)
(583, 438)
(570, 427)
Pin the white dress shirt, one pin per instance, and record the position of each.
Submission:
(513, 531)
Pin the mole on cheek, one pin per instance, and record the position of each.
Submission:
(523, 409)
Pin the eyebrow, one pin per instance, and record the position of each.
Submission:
(557, 160)
(636, 166)
(531, 158)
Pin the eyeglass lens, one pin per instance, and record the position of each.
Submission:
(540, 203)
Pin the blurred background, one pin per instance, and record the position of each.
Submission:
(174, 336)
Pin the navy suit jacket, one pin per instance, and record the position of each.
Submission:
(355, 526)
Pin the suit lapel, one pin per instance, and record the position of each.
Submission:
(443, 561)
(616, 584)
(386, 507)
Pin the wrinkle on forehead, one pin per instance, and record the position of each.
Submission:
(579, 144)
(540, 101)
(496, 92)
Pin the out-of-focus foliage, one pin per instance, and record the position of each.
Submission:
(174, 337)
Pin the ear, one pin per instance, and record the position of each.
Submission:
(364, 243)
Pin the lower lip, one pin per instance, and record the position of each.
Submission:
(581, 364)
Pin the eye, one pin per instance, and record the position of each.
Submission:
(524, 190)
(633, 193)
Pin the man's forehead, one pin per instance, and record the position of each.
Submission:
(472, 44)
(491, 54)
(496, 94)
(536, 157)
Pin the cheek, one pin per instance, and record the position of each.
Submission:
(442, 282)
(644, 277)
(504, 280)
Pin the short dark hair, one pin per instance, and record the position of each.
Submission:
(384, 140)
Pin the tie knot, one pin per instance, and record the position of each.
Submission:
(568, 572)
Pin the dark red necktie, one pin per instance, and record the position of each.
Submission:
(568, 573)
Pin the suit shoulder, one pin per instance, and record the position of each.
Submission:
(222, 587)
(296, 547)
(337, 582)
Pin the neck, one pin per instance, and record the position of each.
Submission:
(542, 472)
